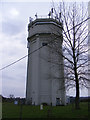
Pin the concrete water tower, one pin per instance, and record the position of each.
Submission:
(45, 72)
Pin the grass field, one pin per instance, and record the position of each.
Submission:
(9, 110)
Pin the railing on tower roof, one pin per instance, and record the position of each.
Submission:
(45, 19)
(52, 14)
(55, 17)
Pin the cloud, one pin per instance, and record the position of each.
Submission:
(14, 47)
(13, 42)
(14, 79)
(12, 27)
(13, 39)
(14, 12)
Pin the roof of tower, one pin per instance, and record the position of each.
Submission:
(45, 21)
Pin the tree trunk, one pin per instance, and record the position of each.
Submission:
(77, 95)
(75, 64)
(77, 89)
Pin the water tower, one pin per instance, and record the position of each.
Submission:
(45, 71)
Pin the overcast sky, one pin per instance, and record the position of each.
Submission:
(14, 18)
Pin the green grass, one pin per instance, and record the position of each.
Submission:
(9, 110)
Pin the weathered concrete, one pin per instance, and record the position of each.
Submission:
(45, 78)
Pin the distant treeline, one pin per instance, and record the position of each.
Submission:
(22, 100)
(82, 99)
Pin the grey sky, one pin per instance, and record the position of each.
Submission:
(14, 18)
(13, 37)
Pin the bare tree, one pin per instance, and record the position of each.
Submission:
(11, 96)
(75, 45)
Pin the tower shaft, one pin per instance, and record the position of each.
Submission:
(45, 71)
